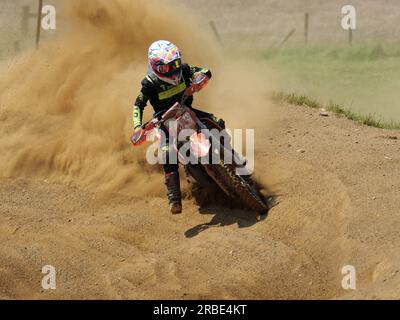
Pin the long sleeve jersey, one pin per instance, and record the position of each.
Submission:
(163, 95)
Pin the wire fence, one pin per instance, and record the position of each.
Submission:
(276, 23)
(20, 26)
(256, 24)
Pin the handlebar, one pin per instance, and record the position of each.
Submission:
(199, 81)
(143, 126)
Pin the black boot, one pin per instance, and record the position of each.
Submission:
(172, 182)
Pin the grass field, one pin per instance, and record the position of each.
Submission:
(337, 109)
(366, 79)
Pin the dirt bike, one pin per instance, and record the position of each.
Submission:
(204, 145)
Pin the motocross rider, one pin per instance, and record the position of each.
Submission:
(166, 82)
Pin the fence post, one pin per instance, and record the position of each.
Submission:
(306, 25)
(216, 33)
(39, 21)
(350, 36)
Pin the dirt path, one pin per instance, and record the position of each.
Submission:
(74, 195)
(338, 204)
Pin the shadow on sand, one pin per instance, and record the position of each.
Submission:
(225, 216)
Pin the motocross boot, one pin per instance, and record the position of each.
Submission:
(172, 182)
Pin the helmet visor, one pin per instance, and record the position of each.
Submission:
(169, 68)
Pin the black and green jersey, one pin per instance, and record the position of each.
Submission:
(162, 95)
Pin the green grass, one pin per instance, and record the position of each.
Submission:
(367, 78)
(364, 53)
(337, 109)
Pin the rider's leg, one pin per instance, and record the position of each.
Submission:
(172, 183)
(227, 142)
(203, 114)
(219, 121)
(171, 179)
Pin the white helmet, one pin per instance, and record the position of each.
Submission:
(165, 61)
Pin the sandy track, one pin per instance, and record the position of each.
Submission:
(338, 204)
(73, 194)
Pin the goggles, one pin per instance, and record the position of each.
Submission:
(166, 68)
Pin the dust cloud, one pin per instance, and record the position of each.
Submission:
(65, 109)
